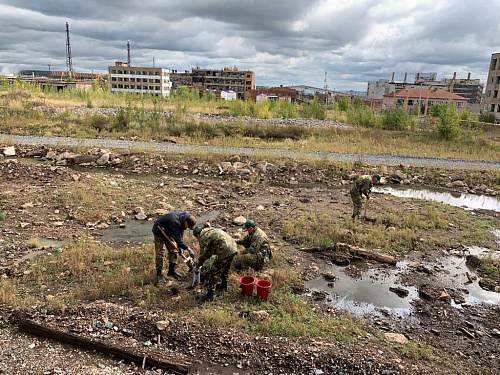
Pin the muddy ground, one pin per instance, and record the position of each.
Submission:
(35, 197)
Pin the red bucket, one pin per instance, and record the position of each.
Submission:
(263, 288)
(246, 284)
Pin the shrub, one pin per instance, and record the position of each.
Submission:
(448, 125)
(361, 116)
(396, 118)
(435, 110)
(487, 117)
(344, 104)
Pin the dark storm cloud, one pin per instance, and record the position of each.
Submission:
(284, 42)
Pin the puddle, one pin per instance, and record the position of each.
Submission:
(140, 231)
(368, 294)
(455, 199)
(134, 231)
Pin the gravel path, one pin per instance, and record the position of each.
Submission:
(177, 148)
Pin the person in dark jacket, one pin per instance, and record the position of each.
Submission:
(168, 231)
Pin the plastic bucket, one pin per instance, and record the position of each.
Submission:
(246, 284)
(263, 288)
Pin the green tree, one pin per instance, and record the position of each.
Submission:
(397, 118)
(344, 103)
(435, 110)
(449, 122)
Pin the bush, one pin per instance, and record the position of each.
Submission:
(361, 116)
(435, 110)
(344, 104)
(487, 117)
(448, 125)
(396, 118)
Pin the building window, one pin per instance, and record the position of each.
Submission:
(410, 101)
(495, 94)
(489, 93)
(492, 109)
(493, 64)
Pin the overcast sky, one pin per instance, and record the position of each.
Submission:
(284, 42)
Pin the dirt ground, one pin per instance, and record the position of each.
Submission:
(35, 199)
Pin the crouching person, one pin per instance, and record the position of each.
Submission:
(257, 248)
(219, 248)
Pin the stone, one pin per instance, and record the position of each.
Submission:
(234, 158)
(240, 220)
(162, 324)
(141, 216)
(9, 151)
(84, 159)
(260, 315)
(396, 337)
(103, 159)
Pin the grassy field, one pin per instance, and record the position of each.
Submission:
(150, 118)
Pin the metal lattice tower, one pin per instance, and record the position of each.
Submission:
(325, 86)
(69, 62)
(128, 52)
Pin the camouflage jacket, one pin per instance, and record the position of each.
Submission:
(214, 241)
(362, 185)
(256, 243)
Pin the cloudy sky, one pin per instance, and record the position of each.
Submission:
(285, 42)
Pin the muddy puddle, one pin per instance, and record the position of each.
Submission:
(368, 292)
(455, 199)
(135, 231)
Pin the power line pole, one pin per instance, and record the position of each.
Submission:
(69, 62)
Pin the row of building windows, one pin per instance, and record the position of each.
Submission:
(136, 87)
(492, 107)
(430, 103)
(136, 72)
(145, 80)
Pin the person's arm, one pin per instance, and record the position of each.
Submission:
(175, 232)
(205, 250)
(366, 189)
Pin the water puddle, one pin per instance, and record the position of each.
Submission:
(47, 243)
(369, 291)
(135, 231)
(455, 199)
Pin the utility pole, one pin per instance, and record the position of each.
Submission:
(69, 62)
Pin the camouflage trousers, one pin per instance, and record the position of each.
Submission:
(244, 261)
(357, 201)
(160, 245)
(219, 271)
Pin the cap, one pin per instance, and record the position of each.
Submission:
(377, 176)
(248, 224)
(197, 230)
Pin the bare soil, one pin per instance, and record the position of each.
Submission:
(35, 199)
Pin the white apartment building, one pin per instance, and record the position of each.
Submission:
(139, 80)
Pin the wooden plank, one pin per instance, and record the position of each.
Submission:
(86, 343)
(366, 253)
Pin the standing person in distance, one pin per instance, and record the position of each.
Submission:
(362, 186)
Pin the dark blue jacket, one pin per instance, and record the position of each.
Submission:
(172, 225)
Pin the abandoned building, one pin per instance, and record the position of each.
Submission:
(125, 78)
(491, 102)
(423, 98)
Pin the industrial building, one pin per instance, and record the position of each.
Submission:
(217, 80)
(471, 89)
(139, 80)
(491, 102)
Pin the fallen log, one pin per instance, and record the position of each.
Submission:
(83, 342)
(366, 253)
(315, 249)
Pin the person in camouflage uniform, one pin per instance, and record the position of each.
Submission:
(256, 245)
(219, 248)
(362, 186)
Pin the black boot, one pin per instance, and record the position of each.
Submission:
(221, 287)
(172, 272)
(208, 297)
(160, 278)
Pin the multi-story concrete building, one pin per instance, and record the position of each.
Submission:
(491, 103)
(224, 80)
(124, 78)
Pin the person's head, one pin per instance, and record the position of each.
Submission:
(197, 230)
(376, 178)
(190, 222)
(249, 226)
